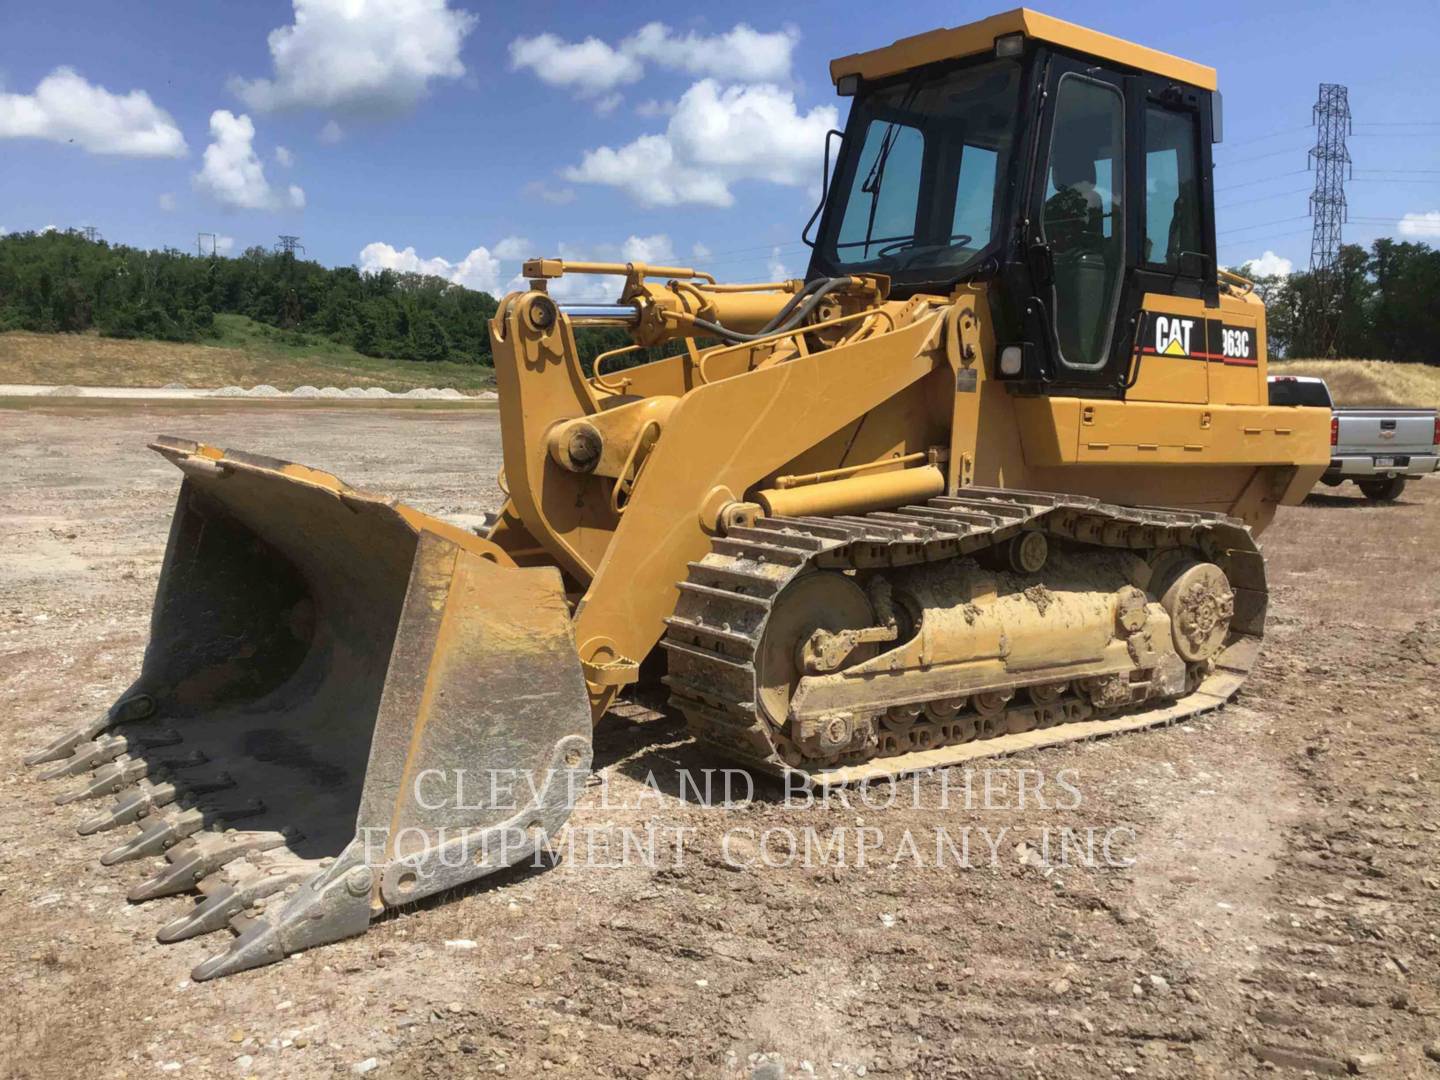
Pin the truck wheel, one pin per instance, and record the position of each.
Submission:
(1387, 490)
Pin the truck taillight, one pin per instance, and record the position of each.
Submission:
(1437, 429)
(1335, 430)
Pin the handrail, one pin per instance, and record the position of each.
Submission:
(759, 286)
(1233, 278)
(598, 378)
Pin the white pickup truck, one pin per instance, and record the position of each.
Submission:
(1378, 449)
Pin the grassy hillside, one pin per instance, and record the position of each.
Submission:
(1370, 382)
(245, 353)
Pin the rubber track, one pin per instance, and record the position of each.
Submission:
(714, 635)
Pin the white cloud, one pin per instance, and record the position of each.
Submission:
(1424, 224)
(372, 57)
(700, 251)
(595, 70)
(655, 250)
(478, 270)
(232, 174)
(224, 244)
(167, 201)
(740, 55)
(775, 268)
(514, 247)
(590, 68)
(66, 109)
(556, 196)
(1271, 265)
(331, 133)
(283, 157)
(652, 108)
(716, 137)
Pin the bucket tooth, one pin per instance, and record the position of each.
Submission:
(125, 771)
(230, 899)
(135, 707)
(106, 749)
(157, 838)
(195, 859)
(332, 905)
(130, 809)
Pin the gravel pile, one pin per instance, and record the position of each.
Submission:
(228, 391)
(305, 391)
(174, 386)
(331, 391)
(377, 391)
(354, 391)
(263, 390)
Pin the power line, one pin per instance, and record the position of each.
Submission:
(1250, 241)
(1390, 180)
(1262, 138)
(1262, 157)
(1262, 225)
(1262, 198)
(1262, 180)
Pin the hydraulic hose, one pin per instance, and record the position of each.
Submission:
(793, 314)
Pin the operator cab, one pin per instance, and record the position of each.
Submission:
(1069, 168)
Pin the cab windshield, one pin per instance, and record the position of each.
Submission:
(922, 187)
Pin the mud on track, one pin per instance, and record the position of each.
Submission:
(1272, 900)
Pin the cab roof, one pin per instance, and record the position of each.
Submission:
(979, 37)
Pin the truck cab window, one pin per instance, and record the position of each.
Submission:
(1082, 219)
(1172, 187)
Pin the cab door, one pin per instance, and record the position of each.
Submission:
(1170, 297)
(1079, 225)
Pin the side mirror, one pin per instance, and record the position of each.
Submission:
(824, 188)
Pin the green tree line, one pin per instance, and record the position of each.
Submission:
(62, 282)
(1389, 305)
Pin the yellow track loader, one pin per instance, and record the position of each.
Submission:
(988, 478)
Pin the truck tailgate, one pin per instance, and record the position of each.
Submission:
(1386, 431)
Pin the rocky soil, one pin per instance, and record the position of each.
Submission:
(1269, 899)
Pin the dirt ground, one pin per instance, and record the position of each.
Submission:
(1271, 899)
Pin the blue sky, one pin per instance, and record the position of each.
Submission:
(458, 137)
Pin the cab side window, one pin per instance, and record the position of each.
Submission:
(1172, 187)
(1082, 220)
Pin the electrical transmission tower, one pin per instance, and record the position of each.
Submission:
(1331, 161)
(91, 233)
(290, 244)
(205, 243)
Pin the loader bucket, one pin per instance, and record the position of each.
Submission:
(345, 705)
